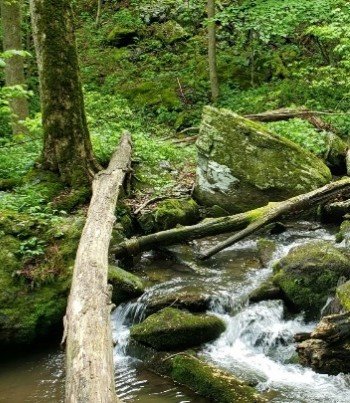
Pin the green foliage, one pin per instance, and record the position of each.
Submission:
(109, 115)
(303, 133)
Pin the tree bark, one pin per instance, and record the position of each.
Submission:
(247, 222)
(11, 18)
(89, 350)
(214, 82)
(67, 147)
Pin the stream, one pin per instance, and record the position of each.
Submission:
(257, 345)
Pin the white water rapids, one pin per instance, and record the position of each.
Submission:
(258, 342)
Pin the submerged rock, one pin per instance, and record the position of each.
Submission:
(309, 274)
(242, 166)
(191, 300)
(170, 213)
(126, 285)
(172, 329)
(189, 370)
(266, 248)
(267, 291)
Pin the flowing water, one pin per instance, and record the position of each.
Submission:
(256, 346)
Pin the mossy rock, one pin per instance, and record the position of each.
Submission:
(335, 212)
(266, 249)
(267, 291)
(121, 36)
(150, 94)
(309, 274)
(344, 233)
(210, 381)
(343, 295)
(169, 32)
(172, 329)
(126, 286)
(336, 156)
(190, 300)
(242, 166)
(168, 214)
(35, 290)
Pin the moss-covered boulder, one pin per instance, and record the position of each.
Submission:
(267, 291)
(126, 285)
(169, 32)
(241, 165)
(172, 329)
(189, 370)
(211, 382)
(169, 213)
(36, 259)
(121, 36)
(309, 274)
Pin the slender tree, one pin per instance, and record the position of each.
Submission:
(67, 146)
(14, 69)
(214, 82)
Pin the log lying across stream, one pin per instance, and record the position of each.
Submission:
(89, 349)
(246, 223)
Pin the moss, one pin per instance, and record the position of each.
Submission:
(211, 382)
(168, 32)
(172, 329)
(126, 285)
(45, 183)
(124, 219)
(309, 274)
(9, 184)
(121, 36)
(344, 233)
(170, 213)
(151, 94)
(343, 294)
(260, 166)
(35, 288)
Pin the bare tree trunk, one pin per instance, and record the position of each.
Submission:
(14, 69)
(246, 223)
(214, 82)
(67, 147)
(89, 350)
(98, 14)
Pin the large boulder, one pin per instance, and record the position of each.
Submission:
(309, 274)
(172, 329)
(241, 165)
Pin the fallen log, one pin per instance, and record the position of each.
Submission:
(278, 210)
(286, 113)
(89, 347)
(247, 222)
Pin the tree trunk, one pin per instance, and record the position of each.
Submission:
(247, 222)
(214, 83)
(89, 350)
(14, 69)
(67, 147)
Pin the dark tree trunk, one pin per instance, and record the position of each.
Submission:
(14, 69)
(67, 147)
